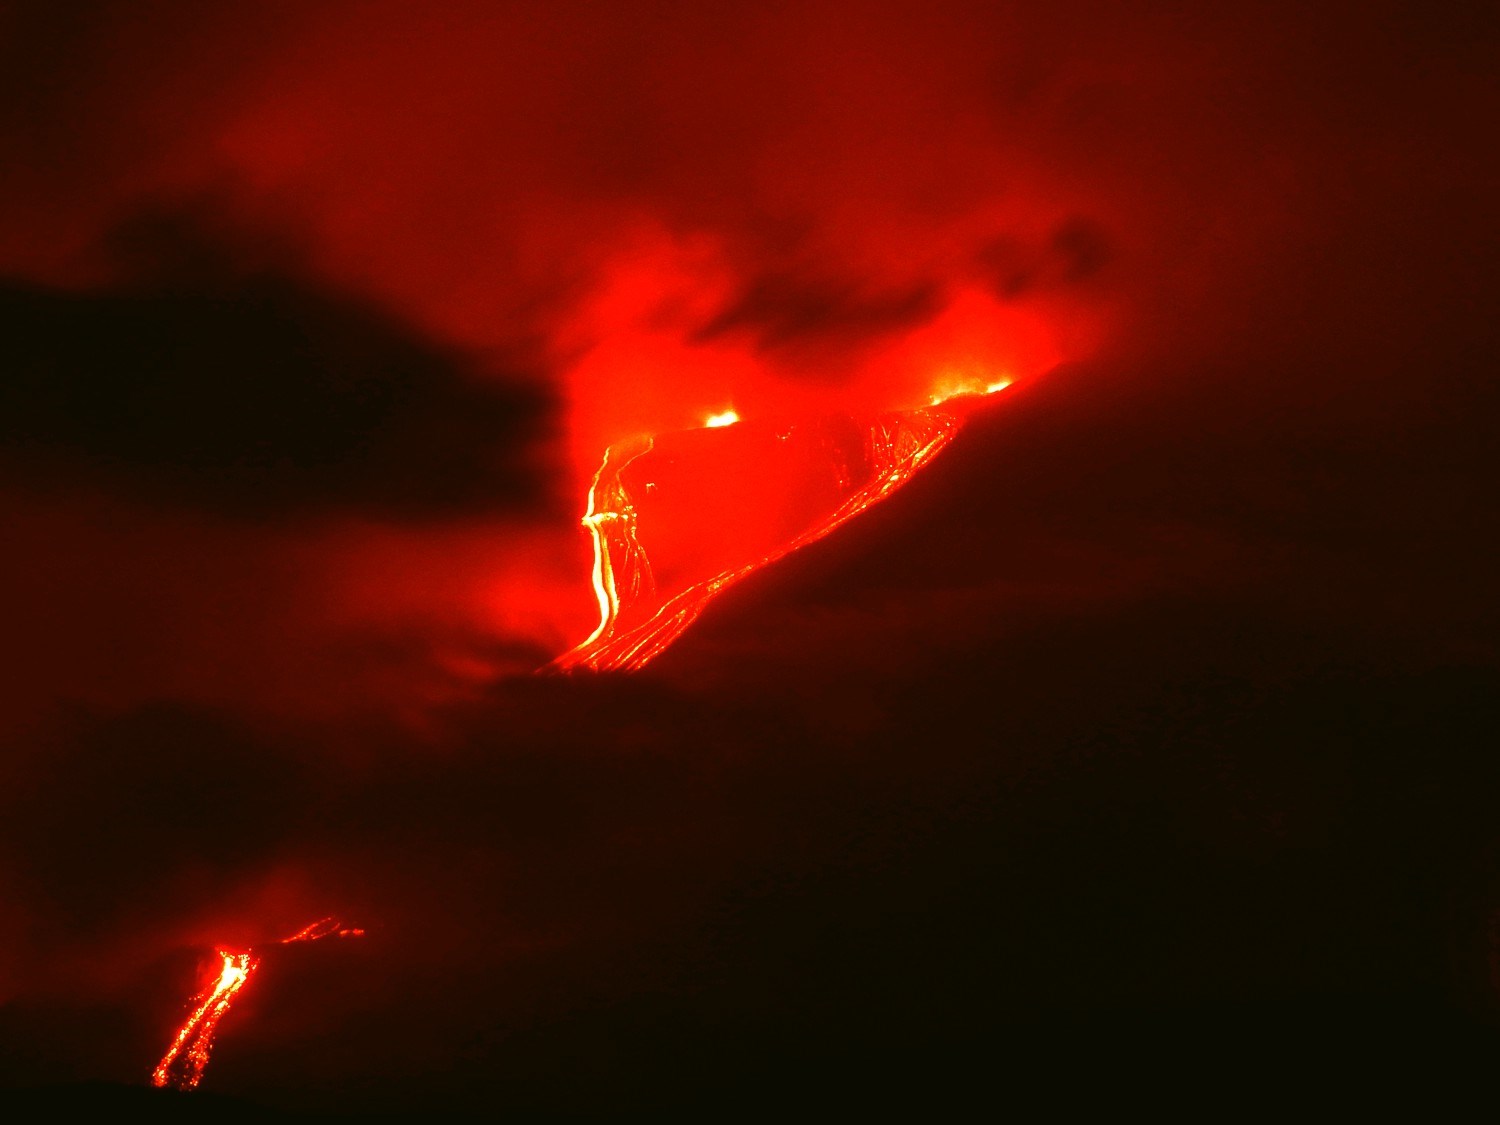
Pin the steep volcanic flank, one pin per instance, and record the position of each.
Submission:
(679, 518)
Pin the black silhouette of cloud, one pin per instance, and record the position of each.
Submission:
(246, 389)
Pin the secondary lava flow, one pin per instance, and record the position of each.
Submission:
(183, 1065)
(718, 503)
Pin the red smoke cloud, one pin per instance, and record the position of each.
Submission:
(659, 213)
(765, 204)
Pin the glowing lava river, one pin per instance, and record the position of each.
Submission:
(183, 1065)
(767, 490)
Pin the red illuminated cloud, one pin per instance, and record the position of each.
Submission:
(379, 216)
(660, 216)
(796, 194)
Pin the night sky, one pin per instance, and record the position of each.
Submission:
(1143, 747)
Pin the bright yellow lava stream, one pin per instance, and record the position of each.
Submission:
(183, 1065)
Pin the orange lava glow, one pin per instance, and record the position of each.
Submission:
(186, 1059)
(715, 510)
(728, 418)
(183, 1065)
(322, 928)
(957, 387)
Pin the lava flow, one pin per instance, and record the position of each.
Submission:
(718, 503)
(183, 1065)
